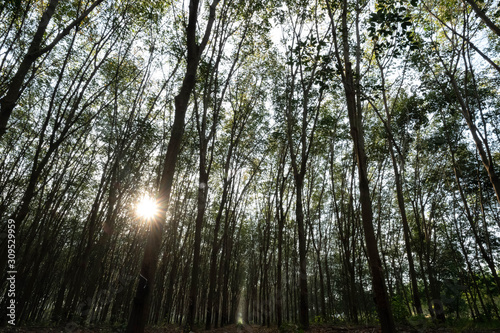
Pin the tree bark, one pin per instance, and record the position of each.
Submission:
(140, 306)
(280, 216)
(483, 17)
(35, 50)
(299, 215)
(401, 203)
(193, 291)
(356, 128)
(480, 141)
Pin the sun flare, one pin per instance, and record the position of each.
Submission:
(146, 207)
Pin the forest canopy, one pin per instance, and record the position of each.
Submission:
(276, 163)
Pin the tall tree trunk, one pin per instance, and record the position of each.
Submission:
(356, 128)
(280, 216)
(401, 202)
(140, 306)
(299, 215)
(480, 141)
(35, 50)
(215, 242)
(473, 224)
(483, 17)
(193, 290)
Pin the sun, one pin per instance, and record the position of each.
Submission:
(146, 207)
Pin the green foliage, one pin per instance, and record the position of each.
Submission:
(399, 309)
(420, 322)
(390, 26)
(98, 109)
(288, 327)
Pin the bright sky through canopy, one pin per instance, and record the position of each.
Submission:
(146, 207)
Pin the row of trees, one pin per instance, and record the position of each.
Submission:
(333, 160)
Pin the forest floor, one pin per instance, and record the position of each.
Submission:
(260, 329)
(325, 328)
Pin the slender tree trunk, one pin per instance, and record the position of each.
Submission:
(140, 306)
(473, 224)
(280, 216)
(299, 215)
(202, 198)
(401, 204)
(481, 143)
(279, 291)
(215, 243)
(483, 17)
(356, 127)
(35, 50)
(8, 102)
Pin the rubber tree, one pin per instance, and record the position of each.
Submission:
(396, 158)
(302, 104)
(141, 303)
(351, 84)
(35, 51)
